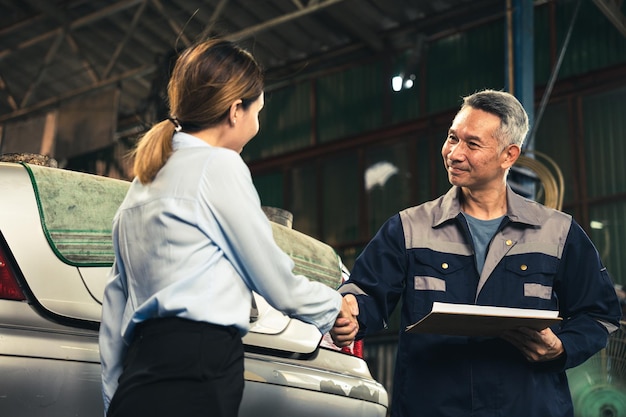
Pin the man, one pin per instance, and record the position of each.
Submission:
(483, 244)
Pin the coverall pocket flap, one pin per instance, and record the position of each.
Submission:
(531, 265)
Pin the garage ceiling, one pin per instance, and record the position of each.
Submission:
(55, 50)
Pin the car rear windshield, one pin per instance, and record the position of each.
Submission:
(77, 210)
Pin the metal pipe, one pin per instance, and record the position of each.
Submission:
(552, 80)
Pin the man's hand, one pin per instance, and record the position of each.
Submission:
(346, 325)
(536, 346)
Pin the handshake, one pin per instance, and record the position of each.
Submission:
(346, 325)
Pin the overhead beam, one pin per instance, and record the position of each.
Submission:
(311, 7)
(178, 31)
(253, 30)
(368, 37)
(83, 21)
(51, 10)
(10, 99)
(213, 19)
(134, 73)
(127, 38)
(86, 65)
(52, 53)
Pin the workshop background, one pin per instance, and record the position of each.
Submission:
(360, 94)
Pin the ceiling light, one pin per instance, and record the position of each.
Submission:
(396, 83)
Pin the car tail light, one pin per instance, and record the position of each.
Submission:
(355, 349)
(9, 288)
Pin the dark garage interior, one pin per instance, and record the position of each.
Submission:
(359, 96)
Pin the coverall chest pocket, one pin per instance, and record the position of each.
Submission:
(440, 280)
(533, 279)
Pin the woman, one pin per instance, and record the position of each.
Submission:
(191, 244)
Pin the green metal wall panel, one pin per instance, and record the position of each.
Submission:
(428, 160)
(340, 185)
(463, 63)
(542, 45)
(349, 254)
(387, 181)
(554, 138)
(349, 101)
(605, 143)
(286, 122)
(270, 189)
(440, 180)
(595, 43)
(607, 232)
(325, 194)
(303, 204)
(405, 103)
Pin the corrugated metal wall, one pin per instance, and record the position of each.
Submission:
(604, 118)
(463, 63)
(392, 160)
(348, 102)
(595, 42)
(286, 122)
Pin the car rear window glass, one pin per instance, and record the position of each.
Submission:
(76, 211)
(312, 258)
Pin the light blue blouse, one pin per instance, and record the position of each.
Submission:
(194, 243)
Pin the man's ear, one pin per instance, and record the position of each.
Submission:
(510, 153)
(233, 112)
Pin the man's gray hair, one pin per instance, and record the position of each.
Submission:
(513, 117)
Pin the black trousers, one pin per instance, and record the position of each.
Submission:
(181, 368)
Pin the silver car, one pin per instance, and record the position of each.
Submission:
(55, 253)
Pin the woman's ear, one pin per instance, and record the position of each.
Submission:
(233, 112)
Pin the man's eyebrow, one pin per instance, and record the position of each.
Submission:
(470, 137)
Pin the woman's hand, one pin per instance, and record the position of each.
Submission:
(346, 325)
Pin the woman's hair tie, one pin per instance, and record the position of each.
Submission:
(176, 123)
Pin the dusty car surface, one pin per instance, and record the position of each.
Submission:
(55, 253)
